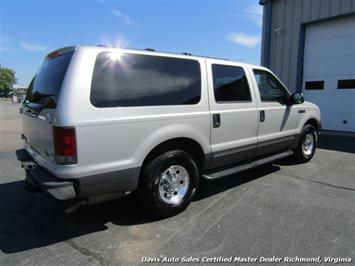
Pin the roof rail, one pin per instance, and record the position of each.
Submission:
(211, 57)
(153, 50)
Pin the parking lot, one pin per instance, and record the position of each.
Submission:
(277, 210)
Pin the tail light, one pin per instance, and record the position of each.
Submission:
(65, 145)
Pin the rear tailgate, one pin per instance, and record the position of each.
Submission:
(41, 102)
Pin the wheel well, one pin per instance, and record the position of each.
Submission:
(190, 146)
(314, 123)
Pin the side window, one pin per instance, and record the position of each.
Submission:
(230, 84)
(122, 80)
(271, 90)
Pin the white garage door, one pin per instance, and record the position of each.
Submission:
(329, 71)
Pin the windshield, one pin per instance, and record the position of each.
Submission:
(44, 88)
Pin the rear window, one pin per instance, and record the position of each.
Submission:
(44, 88)
(122, 79)
(230, 84)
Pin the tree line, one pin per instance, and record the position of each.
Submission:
(7, 80)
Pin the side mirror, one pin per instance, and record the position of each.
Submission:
(297, 98)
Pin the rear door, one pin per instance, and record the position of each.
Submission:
(41, 102)
(234, 113)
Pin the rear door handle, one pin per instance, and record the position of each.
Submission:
(262, 115)
(216, 120)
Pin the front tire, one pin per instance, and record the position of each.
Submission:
(168, 183)
(307, 144)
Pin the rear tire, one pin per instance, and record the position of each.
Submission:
(307, 144)
(168, 183)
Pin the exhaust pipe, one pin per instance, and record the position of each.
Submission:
(29, 165)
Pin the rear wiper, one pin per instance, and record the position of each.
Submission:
(34, 106)
(38, 101)
(42, 95)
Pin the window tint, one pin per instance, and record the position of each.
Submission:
(314, 85)
(230, 84)
(346, 84)
(270, 88)
(44, 88)
(144, 80)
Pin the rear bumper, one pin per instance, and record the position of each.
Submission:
(39, 178)
(83, 187)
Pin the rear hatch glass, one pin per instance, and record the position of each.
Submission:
(40, 104)
(44, 89)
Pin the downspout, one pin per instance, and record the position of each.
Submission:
(266, 32)
(300, 58)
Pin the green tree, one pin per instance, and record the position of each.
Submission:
(7, 79)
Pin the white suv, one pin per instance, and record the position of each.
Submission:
(101, 122)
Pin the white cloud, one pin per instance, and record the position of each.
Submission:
(35, 47)
(5, 43)
(255, 14)
(244, 39)
(123, 17)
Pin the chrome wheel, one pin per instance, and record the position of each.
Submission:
(308, 144)
(173, 184)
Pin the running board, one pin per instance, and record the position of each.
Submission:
(243, 167)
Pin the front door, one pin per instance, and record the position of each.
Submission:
(277, 119)
(234, 114)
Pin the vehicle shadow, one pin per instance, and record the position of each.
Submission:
(337, 143)
(208, 188)
(30, 221)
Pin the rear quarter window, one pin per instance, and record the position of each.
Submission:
(122, 79)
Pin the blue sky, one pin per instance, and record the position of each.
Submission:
(220, 28)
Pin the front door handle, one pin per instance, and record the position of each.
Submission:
(262, 115)
(216, 120)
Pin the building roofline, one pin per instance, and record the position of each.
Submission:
(263, 2)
